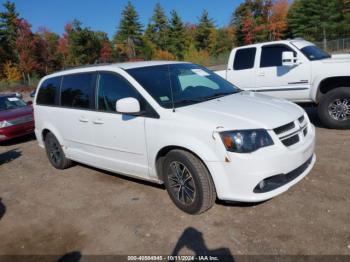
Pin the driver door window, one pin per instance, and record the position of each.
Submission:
(111, 88)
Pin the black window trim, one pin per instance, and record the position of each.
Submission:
(254, 59)
(274, 45)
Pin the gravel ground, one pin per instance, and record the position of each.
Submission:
(89, 211)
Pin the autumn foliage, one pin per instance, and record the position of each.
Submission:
(163, 55)
(11, 72)
(278, 20)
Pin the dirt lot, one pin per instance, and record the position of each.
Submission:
(46, 211)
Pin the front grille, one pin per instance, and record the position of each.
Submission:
(291, 140)
(21, 120)
(273, 182)
(293, 132)
(284, 128)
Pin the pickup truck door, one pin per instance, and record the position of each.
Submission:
(292, 83)
(241, 70)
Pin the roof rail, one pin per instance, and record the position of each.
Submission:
(83, 66)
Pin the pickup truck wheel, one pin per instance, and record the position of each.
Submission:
(55, 153)
(334, 108)
(188, 182)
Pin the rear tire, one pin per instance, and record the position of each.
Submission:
(55, 153)
(188, 182)
(334, 108)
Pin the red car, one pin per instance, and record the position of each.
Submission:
(16, 117)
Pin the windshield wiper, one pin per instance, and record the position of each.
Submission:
(216, 95)
(185, 101)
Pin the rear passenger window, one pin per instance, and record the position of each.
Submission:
(111, 88)
(272, 55)
(244, 59)
(48, 92)
(77, 91)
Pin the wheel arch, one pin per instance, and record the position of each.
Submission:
(51, 129)
(330, 83)
(161, 155)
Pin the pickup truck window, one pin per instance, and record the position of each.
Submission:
(314, 53)
(244, 58)
(271, 55)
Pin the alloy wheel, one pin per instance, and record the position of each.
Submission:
(181, 183)
(339, 109)
(54, 151)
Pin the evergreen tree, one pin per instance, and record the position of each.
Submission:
(177, 37)
(158, 28)
(129, 33)
(345, 24)
(315, 20)
(84, 45)
(204, 27)
(8, 32)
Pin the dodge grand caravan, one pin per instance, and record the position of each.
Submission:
(175, 123)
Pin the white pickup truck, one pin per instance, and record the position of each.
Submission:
(298, 71)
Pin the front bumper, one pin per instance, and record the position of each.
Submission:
(16, 131)
(238, 179)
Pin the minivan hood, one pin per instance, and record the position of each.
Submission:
(245, 110)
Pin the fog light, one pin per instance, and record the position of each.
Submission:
(2, 137)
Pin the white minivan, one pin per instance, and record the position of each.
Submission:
(175, 123)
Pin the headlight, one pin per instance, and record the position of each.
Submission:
(5, 124)
(246, 141)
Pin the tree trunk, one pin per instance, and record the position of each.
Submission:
(28, 75)
(324, 38)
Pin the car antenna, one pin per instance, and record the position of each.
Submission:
(171, 90)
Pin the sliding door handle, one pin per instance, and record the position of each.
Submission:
(83, 119)
(98, 122)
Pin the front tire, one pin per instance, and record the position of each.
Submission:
(334, 108)
(188, 182)
(55, 153)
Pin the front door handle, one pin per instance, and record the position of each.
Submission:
(261, 74)
(98, 122)
(83, 119)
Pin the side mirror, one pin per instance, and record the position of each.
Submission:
(288, 59)
(29, 103)
(128, 105)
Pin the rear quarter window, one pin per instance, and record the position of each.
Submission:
(244, 58)
(49, 92)
(77, 91)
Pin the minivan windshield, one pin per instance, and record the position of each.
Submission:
(9, 102)
(181, 84)
(314, 53)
